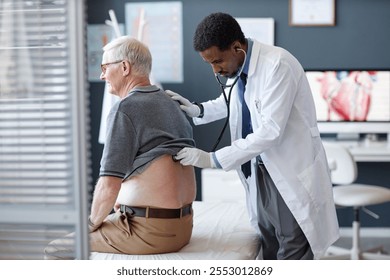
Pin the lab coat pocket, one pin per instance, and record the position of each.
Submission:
(316, 181)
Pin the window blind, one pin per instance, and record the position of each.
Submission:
(43, 127)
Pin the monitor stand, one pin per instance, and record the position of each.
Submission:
(388, 139)
(348, 136)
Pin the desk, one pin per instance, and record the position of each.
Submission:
(367, 151)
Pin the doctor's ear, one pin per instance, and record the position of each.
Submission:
(238, 49)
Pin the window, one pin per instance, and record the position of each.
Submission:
(43, 127)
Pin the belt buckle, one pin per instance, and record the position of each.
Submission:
(130, 210)
(126, 209)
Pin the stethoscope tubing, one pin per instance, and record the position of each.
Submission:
(227, 100)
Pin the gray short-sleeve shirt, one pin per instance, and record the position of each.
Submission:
(141, 127)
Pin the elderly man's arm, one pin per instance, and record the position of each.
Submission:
(106, 193)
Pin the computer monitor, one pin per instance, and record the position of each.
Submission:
(351, 102)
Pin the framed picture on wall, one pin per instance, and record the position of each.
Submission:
(312, 12)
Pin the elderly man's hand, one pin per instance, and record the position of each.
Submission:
(195, 157)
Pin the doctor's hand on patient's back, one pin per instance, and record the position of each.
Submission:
(189, 108)
(195, 157)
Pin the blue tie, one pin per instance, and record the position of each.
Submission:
(246, 119)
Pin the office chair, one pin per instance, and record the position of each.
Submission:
(347, 194)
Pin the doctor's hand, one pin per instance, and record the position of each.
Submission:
(195, 157)
(189, 108)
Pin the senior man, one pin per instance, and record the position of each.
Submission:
(151, 193)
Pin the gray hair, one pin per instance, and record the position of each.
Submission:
(132, 50)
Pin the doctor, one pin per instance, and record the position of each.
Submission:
(289, 192)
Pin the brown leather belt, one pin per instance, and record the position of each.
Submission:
(158, 213)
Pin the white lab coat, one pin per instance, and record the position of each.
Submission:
(286, 135)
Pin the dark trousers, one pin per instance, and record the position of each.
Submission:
(282, 238)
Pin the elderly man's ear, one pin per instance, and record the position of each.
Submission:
(126, 68)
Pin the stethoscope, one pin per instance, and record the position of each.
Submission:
(227, 98)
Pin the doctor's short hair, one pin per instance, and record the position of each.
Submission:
(132, 50)
(217, 29)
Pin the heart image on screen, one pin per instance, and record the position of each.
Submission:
(348, 94)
